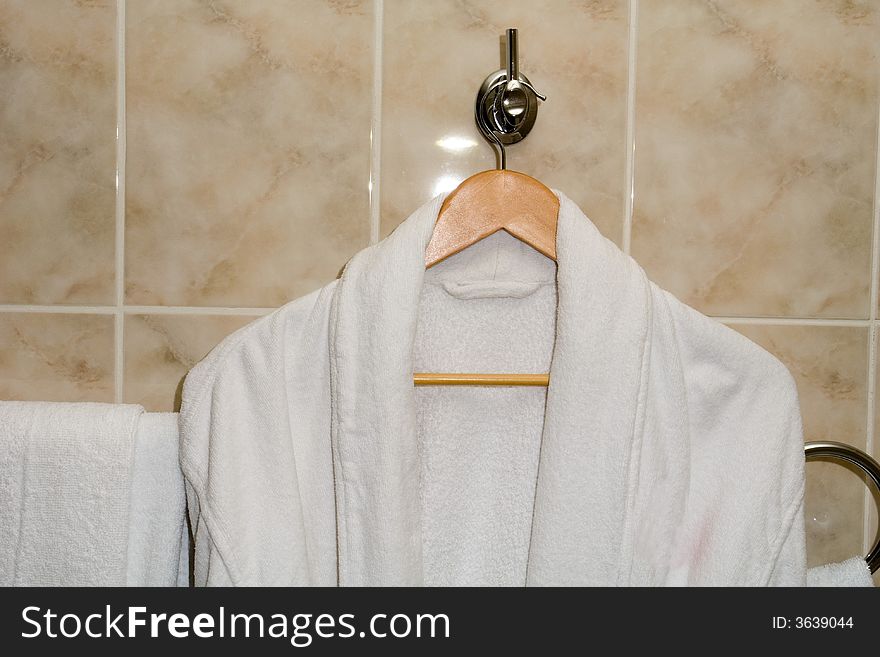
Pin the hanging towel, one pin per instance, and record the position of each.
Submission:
(852, 572)
(158, 542)
(80, 488)
(667, 449)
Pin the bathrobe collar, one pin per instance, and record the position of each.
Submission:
(591, 437)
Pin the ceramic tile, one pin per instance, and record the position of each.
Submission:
(57, 152)
(435, 58)
(829, 365)
(248, 148)
(161, 349)
(56, 357)
(755, 148)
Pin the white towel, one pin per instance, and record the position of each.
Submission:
(74, 478)
(158, 542)
(852, 572)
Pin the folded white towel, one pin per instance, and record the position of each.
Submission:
(66, 473)
(74, 478)
(158, 541)
(852, 572)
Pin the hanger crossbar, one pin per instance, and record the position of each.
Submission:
(466, 379)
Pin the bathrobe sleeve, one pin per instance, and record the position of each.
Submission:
(746, 455)
(233, 433)
(208, 566)
(255, 452)
(791, 563)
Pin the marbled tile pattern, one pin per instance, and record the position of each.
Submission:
(437, 54)
(754, 139)
(57, 151)
(248, 148)
(56, 357)
(161, 349)
(829, 365)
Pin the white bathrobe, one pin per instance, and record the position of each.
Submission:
(666, 451)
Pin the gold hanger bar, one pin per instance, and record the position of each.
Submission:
(463, 379)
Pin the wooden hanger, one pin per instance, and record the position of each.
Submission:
(483, 204)
(490, 201)
(497, 199)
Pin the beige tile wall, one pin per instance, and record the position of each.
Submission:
(171, 169)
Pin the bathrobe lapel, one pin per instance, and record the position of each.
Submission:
(592, 427)
(590, 444)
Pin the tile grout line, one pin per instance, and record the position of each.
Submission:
(196, 310)
(791, 321)
(629, 177)
(260, 310)
(61, 310)
(872, 338)
(872, 364)
(376, 123)
(119, 316)
(135, 310)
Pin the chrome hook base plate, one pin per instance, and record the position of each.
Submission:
(489, 106)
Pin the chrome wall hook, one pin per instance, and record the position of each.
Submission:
(507, 103)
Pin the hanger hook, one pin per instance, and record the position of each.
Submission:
(486, 130)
